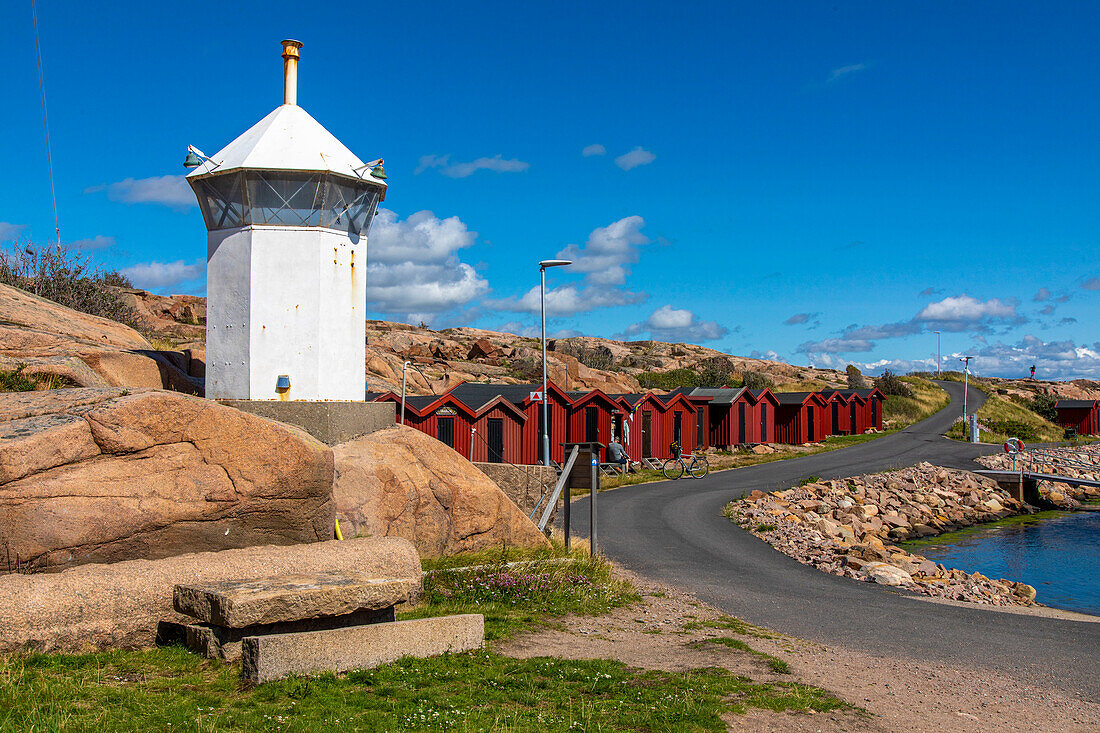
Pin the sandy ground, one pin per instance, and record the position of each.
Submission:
(892, 694)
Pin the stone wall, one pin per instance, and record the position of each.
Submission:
(523, 484)
(330, 422)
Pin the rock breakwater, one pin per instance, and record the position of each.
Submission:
(849, 526)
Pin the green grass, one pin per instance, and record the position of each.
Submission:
(776, 664)
(16, 380)
(729, 623)
(1008, 419)
(173, 690)
(170, 689)
(645, 476)
(524, 596)
(927, 399)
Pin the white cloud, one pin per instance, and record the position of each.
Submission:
(413, 266)
(608, 252)
(594, 149)
(1041, 295)
(1059, 360)
(1093, 283)
(604, 261)
(170, 191)
(836, 346)
(958, 313)
(635, 158)
(569, 300)
(461, 170)
(843, 71)
(162, 275)
(97, 242)
(9, 232)
(676, 324)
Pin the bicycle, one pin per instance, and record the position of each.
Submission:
(674, 468)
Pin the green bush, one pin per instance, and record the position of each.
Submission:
(856, 380)
(14, 380)
(669, 380)
(1043, 406)
(890, 384)
(756, 380)
(65, 277)
(716, 372)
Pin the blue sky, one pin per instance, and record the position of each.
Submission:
(821, 183)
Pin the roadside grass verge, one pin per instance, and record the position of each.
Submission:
(724, 461)
(1004, 419)
(927, 399)
(171, 689)
(520, 590)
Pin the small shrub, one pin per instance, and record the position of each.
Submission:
(67, 278)
(756, 380)
(856, 380)
(669, 380)
(716, 372)
(14, 380)
(1043, 406)
(891, 384)
(809, 480)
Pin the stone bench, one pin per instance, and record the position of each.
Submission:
(301, 623)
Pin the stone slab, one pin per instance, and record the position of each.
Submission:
(331, 423)
(266, 658)
(237, 604)
(120, 606)
(220, 642)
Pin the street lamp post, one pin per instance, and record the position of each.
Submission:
(939, 358)
(542, 301)
(966, 379)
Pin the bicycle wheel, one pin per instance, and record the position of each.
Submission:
(673, 468)
(699, 467)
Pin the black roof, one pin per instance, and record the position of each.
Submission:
(1074, 404)
(849, 392)
(421, 401)
(476, 395)
(631, 399)
(792, 398)
(372, 396)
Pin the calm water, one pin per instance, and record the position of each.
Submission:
(1056, 552)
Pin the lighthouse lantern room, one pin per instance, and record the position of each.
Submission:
(287, 209)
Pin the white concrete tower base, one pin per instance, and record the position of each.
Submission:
(285, 300)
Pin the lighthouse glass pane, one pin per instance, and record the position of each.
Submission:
(222, 199)
(290, 199)
(348, 207)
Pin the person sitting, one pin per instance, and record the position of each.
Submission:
(617, 454)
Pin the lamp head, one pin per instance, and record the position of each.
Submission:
(192, 160)
(554, 263)
(378, 171)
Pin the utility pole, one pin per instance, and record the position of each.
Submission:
(542, 300)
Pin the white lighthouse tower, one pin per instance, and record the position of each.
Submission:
(287, 210)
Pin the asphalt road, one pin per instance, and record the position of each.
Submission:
(674, 532)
